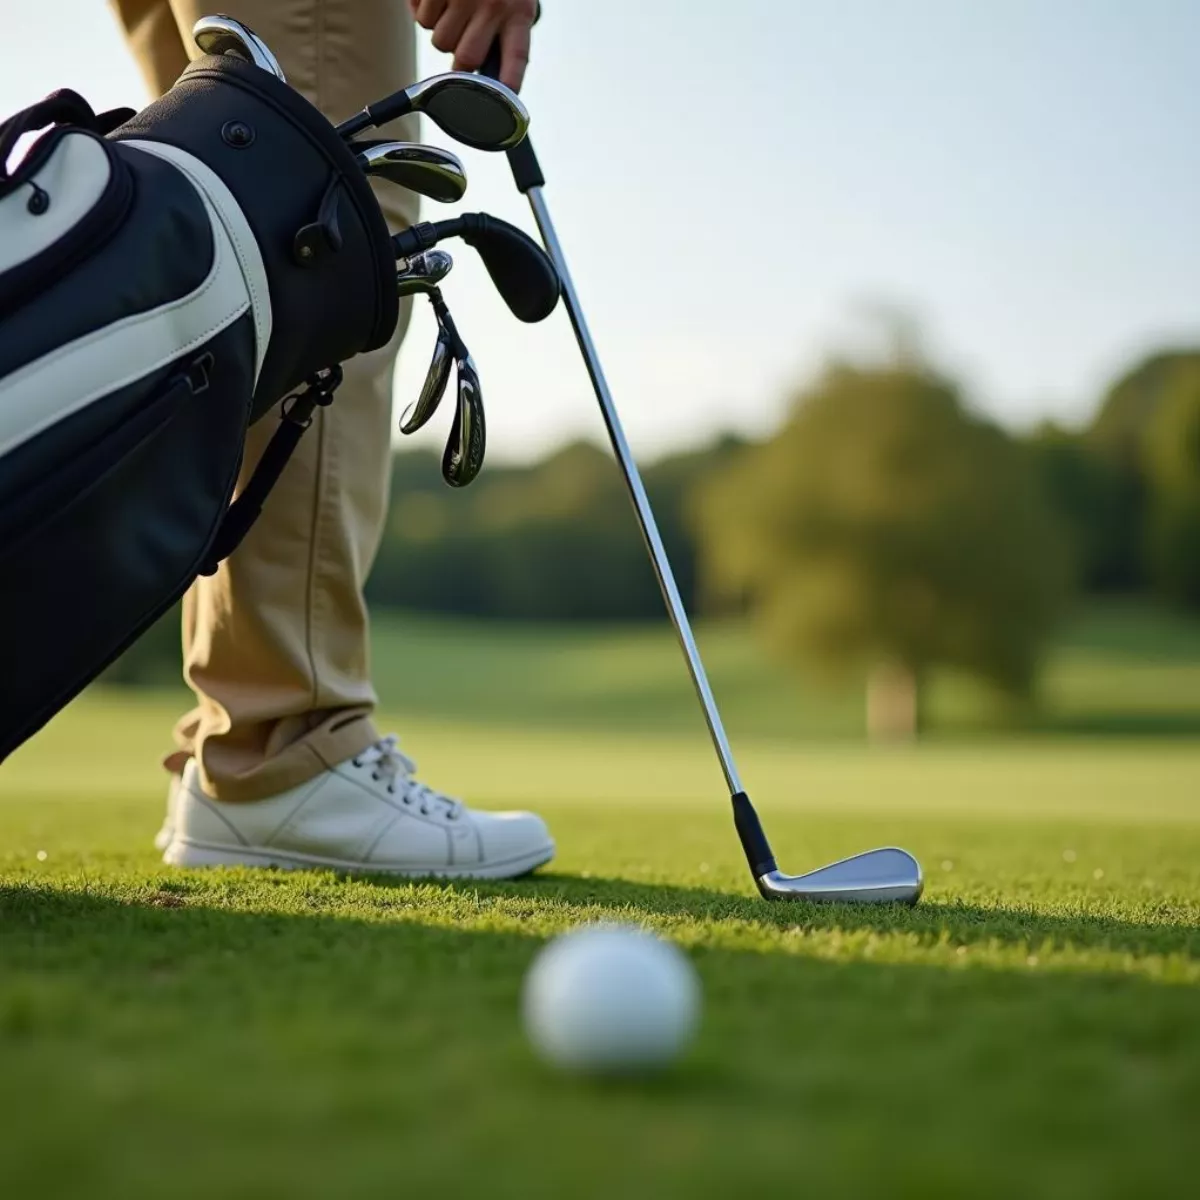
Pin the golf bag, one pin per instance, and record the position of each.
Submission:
(166, 279)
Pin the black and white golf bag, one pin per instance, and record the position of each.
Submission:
(166, 279)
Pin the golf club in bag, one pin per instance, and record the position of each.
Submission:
(167, 278)
(886, 875)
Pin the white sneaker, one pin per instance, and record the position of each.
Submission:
(367, 814)
(162, 839)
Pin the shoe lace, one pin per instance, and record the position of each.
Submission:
(391, 763)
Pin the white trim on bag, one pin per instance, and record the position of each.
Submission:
(221, 200)
(70, 377)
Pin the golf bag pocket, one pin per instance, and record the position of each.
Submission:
(61, 204)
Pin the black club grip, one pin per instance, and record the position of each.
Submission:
(526, 170)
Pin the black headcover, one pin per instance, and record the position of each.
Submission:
(519, 267)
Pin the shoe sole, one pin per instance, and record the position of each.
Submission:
(184, 853)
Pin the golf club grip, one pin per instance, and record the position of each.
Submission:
(750, 833)
(526, 170)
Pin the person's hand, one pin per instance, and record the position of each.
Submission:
(467, 29)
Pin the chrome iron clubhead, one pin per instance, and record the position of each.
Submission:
(463, 456)
(421, 274)
(223, 35)
(464, 448)
(884, 876)
(480, 113)
(434, 387)
(427, 170)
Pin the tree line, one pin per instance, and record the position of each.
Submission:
(885, 524)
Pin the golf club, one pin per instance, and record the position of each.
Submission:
(223, 35)
(434, 387)
(428, 170)
(523, 274)
(464, 453)
(480, 113)
(422, 275)
(887, 875)
(465, 447)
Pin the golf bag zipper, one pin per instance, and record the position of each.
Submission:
(25, 515)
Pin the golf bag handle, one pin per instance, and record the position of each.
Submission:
(526, 170)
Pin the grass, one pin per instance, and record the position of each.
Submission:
(1031, 1029)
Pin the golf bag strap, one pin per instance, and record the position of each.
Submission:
(296, 415)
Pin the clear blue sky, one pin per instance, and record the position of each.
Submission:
(731, 181)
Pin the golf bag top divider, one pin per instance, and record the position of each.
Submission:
(166, 278)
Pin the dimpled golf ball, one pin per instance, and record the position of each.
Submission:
(610, 998)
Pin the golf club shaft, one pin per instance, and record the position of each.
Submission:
(633, 479)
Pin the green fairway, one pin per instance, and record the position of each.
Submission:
(1031, 1029)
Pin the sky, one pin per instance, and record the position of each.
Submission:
(738, 187)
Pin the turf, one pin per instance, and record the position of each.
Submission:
(1031, 1029)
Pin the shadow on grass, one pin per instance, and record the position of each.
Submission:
(930, 921)
(598, 898)
(39, 920)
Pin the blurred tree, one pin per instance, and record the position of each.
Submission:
(886, 529)
(1170, 459)
(1131, 402)
(554, 541)
(1117, 435)
(1089, 493)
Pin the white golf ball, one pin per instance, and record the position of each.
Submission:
(610, 998)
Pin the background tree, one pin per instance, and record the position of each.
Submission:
(1094, 499)
(1170, 460)
(886, 529)
(1117, 437)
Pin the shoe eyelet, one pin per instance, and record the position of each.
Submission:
(408, 800)
(391, 790)
(375, 776)
(356, 762)
(424, 812)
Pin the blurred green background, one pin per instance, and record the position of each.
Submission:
(888, 564)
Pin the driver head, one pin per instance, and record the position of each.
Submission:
(479, 112)
(224, 35)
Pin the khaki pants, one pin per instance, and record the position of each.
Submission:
(276, 643)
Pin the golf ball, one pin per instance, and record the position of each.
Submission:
(610, 998)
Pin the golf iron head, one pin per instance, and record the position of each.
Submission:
(223, 35)
(427, 170)
(464, 448)
(884, 876)
(434, 387)
(480, 113)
